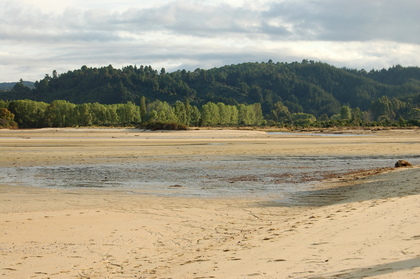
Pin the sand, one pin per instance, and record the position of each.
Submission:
(355, 226)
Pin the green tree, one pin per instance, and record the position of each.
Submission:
(60, 113)
(181, 113)
(324, 118)
(244, 115)
(28, 113)
(112, 117)
(224, 114)
(83, 115)
(143, 108)
(195, 116)
(249, 115)
(21, 89)
(356, 116)
(382, 108)
(210, 115)
(7, 119)
(384, 120)
(345, 113)
(303, 119)
(366, 116)
(4, 104)
(280, 114)
(128, 113)
(335, 118)
(415, 113)
(188, 112)
(234, 115)
(99, 114)
(161, 111)
(258, 114)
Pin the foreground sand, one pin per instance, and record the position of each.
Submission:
(350, 228)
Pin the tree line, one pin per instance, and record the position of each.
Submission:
(62, 113)
(298, 93)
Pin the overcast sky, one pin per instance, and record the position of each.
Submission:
(39, 36)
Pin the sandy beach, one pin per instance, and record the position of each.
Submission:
(361, 225)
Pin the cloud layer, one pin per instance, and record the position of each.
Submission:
(37, 38)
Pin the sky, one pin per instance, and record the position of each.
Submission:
(39, 36)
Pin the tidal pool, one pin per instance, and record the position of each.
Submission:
(209, 176)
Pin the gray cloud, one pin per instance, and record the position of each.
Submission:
(191, 34)
(357, 20)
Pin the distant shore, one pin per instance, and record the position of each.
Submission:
(88, 145)
(354, 226)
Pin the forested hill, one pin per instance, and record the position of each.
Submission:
(9, 85)
(311, 87)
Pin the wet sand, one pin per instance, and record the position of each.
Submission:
(90, 146)
(349, 227)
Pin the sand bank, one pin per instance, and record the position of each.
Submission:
(79, 146)
(348, 228)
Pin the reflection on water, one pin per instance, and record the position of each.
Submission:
(241, 176)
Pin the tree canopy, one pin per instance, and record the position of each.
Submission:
(280, 92)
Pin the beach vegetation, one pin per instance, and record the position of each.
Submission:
(157, 125)
(7, 119)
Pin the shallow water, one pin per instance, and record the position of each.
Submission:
(316, 134)
(210, 176)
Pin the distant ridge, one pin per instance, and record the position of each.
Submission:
(4, 86)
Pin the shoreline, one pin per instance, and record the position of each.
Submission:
(95, 233)
(353, 226)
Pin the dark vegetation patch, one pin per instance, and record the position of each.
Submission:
(163, 126)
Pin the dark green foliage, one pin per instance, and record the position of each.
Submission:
(28, 113)
(60, 113)
(210, 97)
(396, 75)
(310, 87)
(156, 125)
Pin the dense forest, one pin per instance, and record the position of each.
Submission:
(286, 94)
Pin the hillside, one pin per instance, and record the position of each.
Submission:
(4, 86)
(311, 87)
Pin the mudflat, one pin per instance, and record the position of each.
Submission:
(75, 146)
(360, 225)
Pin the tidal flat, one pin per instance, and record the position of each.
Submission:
(196, 163)
(126, 203)
(271, 177)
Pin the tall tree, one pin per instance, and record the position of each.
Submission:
(60, 113)
(143, 108)
(83, 115)
(210, 114)
(345, 113)
(181, 113)
(280, 114)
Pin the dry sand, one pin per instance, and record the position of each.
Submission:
(353, 227)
